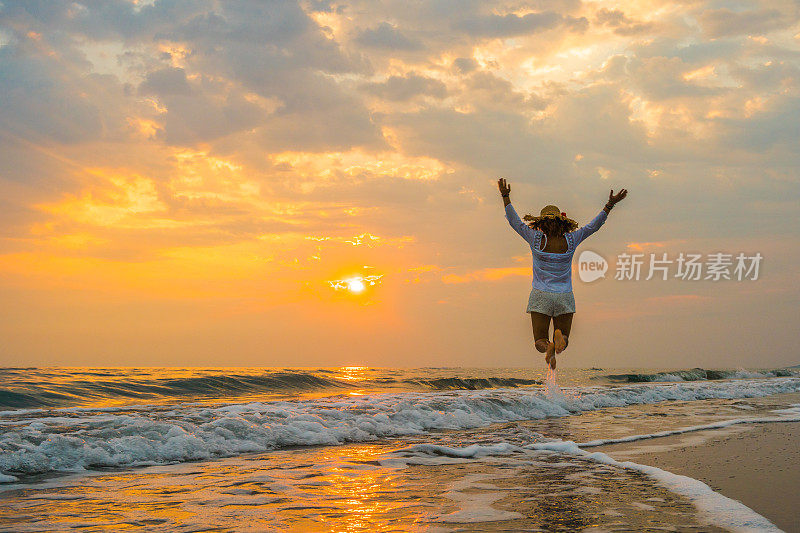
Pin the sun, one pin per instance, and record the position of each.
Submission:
(355, 285)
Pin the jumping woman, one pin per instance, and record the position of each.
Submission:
(553, 238)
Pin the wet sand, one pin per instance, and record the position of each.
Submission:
(758, 465)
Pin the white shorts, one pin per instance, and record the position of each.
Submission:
(551, 303)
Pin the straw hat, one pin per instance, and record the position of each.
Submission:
(551, 211)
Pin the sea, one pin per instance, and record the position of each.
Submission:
(368, 449)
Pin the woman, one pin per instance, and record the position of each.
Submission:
(553, 238)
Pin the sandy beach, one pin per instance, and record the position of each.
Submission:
(756, 464)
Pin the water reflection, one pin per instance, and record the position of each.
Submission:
(353, 373)
(351, 488)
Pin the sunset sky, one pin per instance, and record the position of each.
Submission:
(185, 182)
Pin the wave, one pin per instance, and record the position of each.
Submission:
(50, 391)
(473, 383)
(787, 415)
(700, 374)
(80, 391)
(76, 439)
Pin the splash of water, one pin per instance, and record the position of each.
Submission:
(551, 388)
(553, 392)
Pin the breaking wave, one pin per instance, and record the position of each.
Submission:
(700, 374)
(74, 439)
(34, 388)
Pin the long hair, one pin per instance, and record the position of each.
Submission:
(550, 226)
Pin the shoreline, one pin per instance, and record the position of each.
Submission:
(757, 465)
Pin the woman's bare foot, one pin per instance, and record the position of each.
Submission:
(558, 340)
(550, 355)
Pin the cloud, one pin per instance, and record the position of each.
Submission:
(622, 25)
(167, 81)
(508, 25)
(63, 102)
(492, 25)
(662, 78)
(195, 119)
(401, 88)
(214, 137)
(487, 274)
(487, 90)
(386, 36)
(642, 246)
(465, 64)
(726, 22)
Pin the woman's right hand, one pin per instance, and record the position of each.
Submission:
(505, 188)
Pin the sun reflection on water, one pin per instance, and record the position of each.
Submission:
(353, 373)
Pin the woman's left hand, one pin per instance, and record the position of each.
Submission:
(615, 198)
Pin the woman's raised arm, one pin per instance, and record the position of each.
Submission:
(614, 199)
(525, 231)
(583, 232)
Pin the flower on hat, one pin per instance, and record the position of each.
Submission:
(563, 214)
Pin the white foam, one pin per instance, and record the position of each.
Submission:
(472, 451)
(714, 507)
(476, 506)
(670, 377)
(718, 509)
(19, 412)
(190, 432)
(793, 417)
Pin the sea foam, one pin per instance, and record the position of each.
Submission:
(718, 509)
(78, 439)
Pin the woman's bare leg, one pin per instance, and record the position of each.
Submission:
(562, 325)
(541, 330)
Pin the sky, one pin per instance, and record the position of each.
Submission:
(198, 183)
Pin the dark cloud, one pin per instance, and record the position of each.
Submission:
(332, 129)
(622, 25)
(193, 119)
(267, 76)
(774, 130)
(401, 88)
(323, 6)
(494, 26)
(387, 37)
(774, 76)
(597, 120)
(165, 82)
(726, 23)
(45, 97)
(661, 78)
(492, 141)
(465, 64)
(273, 49)
(487, 90)
(105, 20)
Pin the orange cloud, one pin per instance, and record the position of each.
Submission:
(365, 239)
(118, 202)
(487, 274)
(642, 246)
(315, 169)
